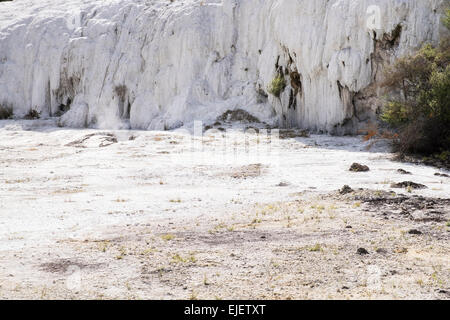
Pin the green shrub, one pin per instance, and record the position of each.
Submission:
(6, 112)
(422, 113)
(446, 19)
(32, 115)
(277, 86)
(395, 113)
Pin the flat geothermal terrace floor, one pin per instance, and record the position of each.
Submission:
(159, 215)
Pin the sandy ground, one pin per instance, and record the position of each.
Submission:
(90, 214)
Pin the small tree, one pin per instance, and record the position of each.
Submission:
(422, 112)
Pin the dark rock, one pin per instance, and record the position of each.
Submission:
(356, 167)
(401, 171)
(415, 231)
(362, 251)
(408, 184)
(348, 227)
(238, 115)
(442, 175)
(283, 184)
(345, 190)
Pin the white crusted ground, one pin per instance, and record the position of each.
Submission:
(141, 214)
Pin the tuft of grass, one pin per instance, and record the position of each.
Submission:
(357, 205)
(103, 245)
(256, 221)
(68, 190)
(17, 181)
(316, 248)
(277, 86)
(176, 258)
(168, 237)
(122, 253)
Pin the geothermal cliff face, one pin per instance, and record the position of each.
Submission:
(162, 64)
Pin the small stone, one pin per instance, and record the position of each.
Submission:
(402, 171)
(415, 231)
(362, 251)
(356, 167)
(349, 227)
(345, 190)
(283, 184)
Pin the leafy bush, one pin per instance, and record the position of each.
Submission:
(422, 112)
(277, 86)
(6, 112)
(446, 19)
(32, 115)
